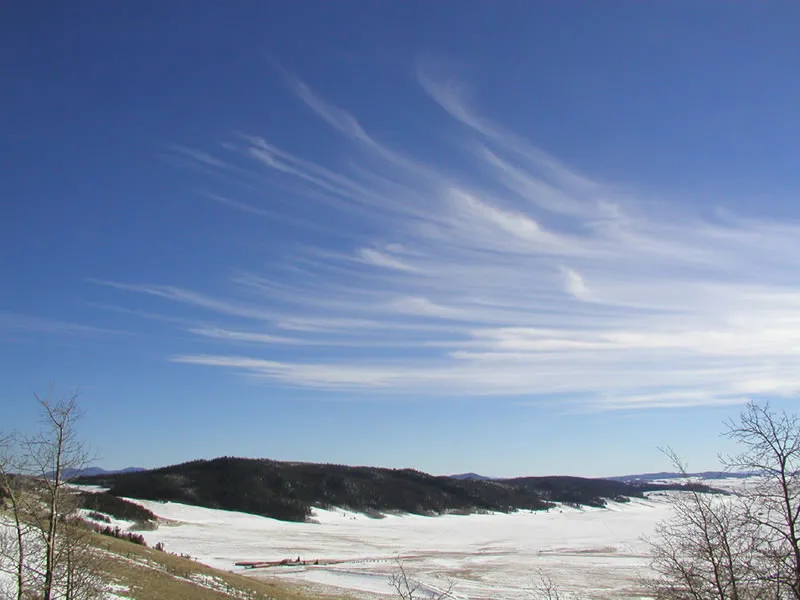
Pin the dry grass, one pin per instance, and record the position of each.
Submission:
(150, 574)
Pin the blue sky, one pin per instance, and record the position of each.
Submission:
(513, 238)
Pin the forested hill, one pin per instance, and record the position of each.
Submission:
(288, 490)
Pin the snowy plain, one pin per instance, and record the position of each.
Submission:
(593, 552)
(597, 552)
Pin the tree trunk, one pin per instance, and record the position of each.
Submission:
(52, 523)
(20, 549)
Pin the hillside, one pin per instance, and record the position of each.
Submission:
(288, 490)
(141, 573)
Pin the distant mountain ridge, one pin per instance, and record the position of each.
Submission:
(94, 471)
(289, 490)
(472, 477)
(672, 475)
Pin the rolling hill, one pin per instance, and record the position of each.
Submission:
(288, 490)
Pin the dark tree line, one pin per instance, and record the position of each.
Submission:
(288, 491)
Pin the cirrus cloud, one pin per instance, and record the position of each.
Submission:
(535, 282)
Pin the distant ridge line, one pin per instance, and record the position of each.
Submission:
(673, 475)
(94, 471)
(472, 477)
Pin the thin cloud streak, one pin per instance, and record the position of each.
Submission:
(537, 281)
(10, 321)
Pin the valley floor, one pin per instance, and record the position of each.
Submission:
(597, 552)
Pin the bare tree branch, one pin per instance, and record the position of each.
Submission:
(743, 546)
(406, 588)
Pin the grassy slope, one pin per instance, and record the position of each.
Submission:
(153, 575)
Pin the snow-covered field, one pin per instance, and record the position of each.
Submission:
(495, 556)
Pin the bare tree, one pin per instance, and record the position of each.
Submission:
(407, 588)
(546, 588)
(771, 502)
(742, 546)
(51, 556)
(52, 452)
(79, 572)
(12, 546)
(706, 550)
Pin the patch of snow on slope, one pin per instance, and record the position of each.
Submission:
(116, 592)
(8, 580)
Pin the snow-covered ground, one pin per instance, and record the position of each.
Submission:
(599, 552)
(7, 585)
(8, 549)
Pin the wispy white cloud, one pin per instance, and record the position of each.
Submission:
(575, 284)
(519, 276)
(248, 336)
(199, 157)
(336, 117)
(242, 206)
(10, 321)
(382, 259)
(189, 297)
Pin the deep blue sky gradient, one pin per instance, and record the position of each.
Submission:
(694, 102)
